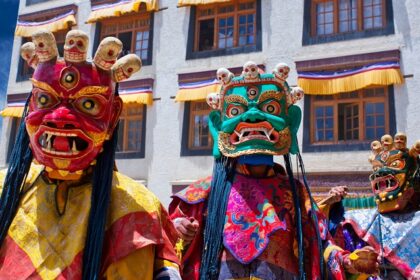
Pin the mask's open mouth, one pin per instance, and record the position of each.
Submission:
(384, 184)
(69, 143)
(254, 131)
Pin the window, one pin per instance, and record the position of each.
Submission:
(196, 138)
(332, 20)
(135, 33)
(226, 28)
(348, 118)
(131, 131)
(24, 70)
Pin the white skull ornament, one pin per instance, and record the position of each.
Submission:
(296, 94)
(281, 71)
(75, 46)
(107, 53)
(224, 76)
(213, 100)
(387, 142)
(400, 141)
(376, 148)
(250, 71)
(27, 51)
(125, 67)
(45, 45)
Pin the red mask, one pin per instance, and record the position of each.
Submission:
(72, 111)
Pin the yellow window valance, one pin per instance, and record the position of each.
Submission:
(197, 90)
(139, 96)
(137, 91)
(120, 8)
(60, 22)
(325, 83)
(12, 111)
(182, 3)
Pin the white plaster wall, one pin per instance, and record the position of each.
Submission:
(282, 25)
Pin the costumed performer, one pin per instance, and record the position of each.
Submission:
(393, 227)
(64, 212)
(252, 219)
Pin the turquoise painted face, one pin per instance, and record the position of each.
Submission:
(255, 119)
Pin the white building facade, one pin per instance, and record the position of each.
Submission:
(164, 138)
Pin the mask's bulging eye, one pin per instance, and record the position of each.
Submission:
(271, 107)
(234, 110)
(44, 100)
(397, 164)
(89, 105)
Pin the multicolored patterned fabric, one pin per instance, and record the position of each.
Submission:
(397, 233)
(256, 209)
(195, 193)
(45, 244)
(259, 234)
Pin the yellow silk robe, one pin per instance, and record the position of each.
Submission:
(46, 243)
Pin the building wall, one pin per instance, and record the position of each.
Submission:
(282, 27)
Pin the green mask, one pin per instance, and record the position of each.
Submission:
(254, 113)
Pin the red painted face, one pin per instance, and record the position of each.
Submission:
(72, 112)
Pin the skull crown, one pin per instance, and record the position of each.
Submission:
(251, 76)
(43, 48)
(398, 142)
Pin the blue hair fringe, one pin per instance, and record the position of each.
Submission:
(213, 232)
(100, 200)
(20, 162)
(314, 216)
(298, 218)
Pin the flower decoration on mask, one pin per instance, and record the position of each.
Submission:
(73, 109)
(394, 168)
(254, 113)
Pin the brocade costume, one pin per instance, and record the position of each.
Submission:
(259, 237)
(44, 243)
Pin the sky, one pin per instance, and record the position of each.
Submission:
(8, 15)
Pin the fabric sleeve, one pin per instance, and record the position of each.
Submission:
(331, 253)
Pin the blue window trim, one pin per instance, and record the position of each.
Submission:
(307, 147)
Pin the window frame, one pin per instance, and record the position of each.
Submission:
(309, 145)
(193, 30)
(309, 36)
(187, 132)
(133, 154)
(142, 14)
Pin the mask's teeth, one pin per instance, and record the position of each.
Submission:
(49, 143)
(74, 148)
(268, 134)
